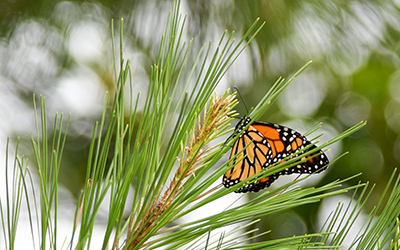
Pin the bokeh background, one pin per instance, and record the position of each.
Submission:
(62, 50)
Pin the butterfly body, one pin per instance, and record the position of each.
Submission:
(261, 145)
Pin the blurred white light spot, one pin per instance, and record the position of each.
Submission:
(366, 156)
(396, 149)
(29, 58)
(65, 12)
(276, 61)
(394, 86)
(392, 115)
(368, 25)
(312, 36)
(146, 21)
(347, 55)
(352, 108)
(391, 16)
(87, 42)
(287, 224)
(81, 94)
(303, 97)
(241, 70)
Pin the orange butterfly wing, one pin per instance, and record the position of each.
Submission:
(285, 141)
(249, 160)
(263, 144)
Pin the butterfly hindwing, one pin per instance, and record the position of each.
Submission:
(263, 144)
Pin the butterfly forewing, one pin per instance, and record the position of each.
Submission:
(285, 141)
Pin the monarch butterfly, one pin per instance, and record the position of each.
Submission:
(263, 144)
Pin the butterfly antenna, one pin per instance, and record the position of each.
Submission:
(241, 98)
